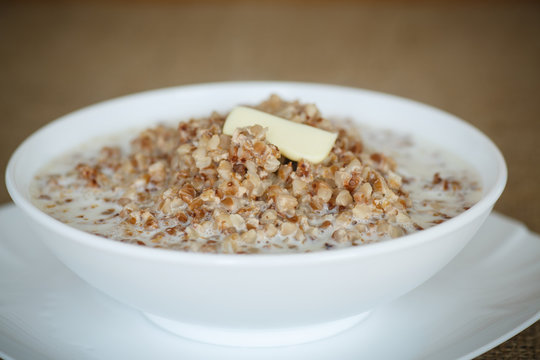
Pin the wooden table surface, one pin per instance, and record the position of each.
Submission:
(478, 60)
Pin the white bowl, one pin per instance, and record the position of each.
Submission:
(256, 300)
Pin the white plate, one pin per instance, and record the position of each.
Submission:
(489, 293)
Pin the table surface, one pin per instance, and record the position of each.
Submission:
(477, 60)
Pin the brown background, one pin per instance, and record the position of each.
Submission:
(478, 60)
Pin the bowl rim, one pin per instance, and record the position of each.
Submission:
(483, 206)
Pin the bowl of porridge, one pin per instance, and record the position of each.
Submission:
(256, 213)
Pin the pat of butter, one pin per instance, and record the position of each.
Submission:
(294, 140)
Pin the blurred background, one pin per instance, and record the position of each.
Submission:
(479, 60)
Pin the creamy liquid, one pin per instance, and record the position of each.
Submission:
(59, 192)
(418, 160)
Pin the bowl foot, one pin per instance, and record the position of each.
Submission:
(257, 337)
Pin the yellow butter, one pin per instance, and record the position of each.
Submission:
(294, 140)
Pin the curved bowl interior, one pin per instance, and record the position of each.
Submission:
(170, 104)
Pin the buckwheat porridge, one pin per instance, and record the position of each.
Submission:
(191, 187)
